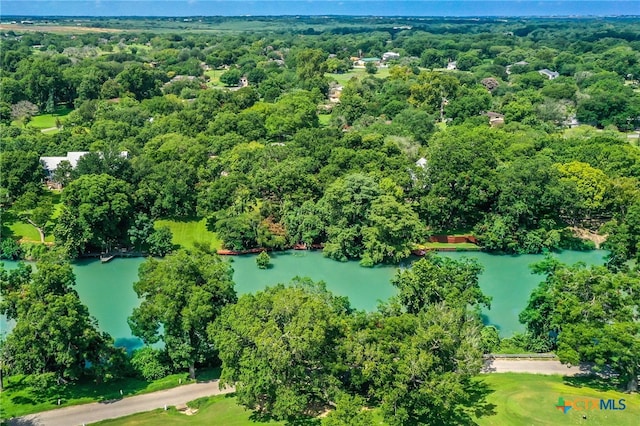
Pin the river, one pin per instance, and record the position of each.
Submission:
(107, 288)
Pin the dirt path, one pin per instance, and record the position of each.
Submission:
(97, 411)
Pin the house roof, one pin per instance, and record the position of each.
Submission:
(74, 156)
(549, 73)
(51, 163)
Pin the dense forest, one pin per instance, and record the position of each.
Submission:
(455, 129)
(362, 138)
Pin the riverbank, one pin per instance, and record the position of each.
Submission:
(443, 243)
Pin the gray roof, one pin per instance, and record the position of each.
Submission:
(549, 73)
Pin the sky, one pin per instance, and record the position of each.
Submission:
(180, 8)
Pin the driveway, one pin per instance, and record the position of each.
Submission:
(97, 411)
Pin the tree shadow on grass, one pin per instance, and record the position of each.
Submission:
(293, 421)
(22, 422)
(594, 381)
(22, 400)
(473, 407)
(304, 421)
(209, 374)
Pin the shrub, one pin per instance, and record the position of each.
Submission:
(10, 249)
(148, 363)
(263, 260)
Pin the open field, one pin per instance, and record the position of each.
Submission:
(56, 29)
(214, 77)
(19, 397)
(212, 24)
(530, 399)
(356, 72)
(186, 232)
(511, 399)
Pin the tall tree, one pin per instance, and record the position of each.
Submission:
(277, 347)
(21, 172)
(53, 331)
(417, 367)
(95, 214)
(182, 296)
(594, 314)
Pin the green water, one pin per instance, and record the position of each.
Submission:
(107, 288)
(509, 282)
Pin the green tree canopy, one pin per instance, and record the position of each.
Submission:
(53, 331)
(96, 213)
(277, 347)
(594, 314)
(181, 296)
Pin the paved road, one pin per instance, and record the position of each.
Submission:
(90, 413)
(532, 366)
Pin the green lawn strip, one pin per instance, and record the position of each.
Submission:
(187, 231)
(360, 73)
(19, 398)
(45, 121)
(27, 232)
(216, 410)
(22, 230)
(530, 399)
(214, 77)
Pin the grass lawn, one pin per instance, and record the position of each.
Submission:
(218, 410)
(19, 397)
(358, 73)
(21, 230)
(457, 246)
(530, 399)
(324, 119)
(44, 121)
(26, 232)
(214, 77)
(511, 399)
(186, 232)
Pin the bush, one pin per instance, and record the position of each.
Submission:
(148, 363)
(34, 251)
(263, 260)
(10, 249)
(489, 339)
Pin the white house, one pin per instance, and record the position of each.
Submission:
(388, 56)
(50, 164)
(551, 75)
